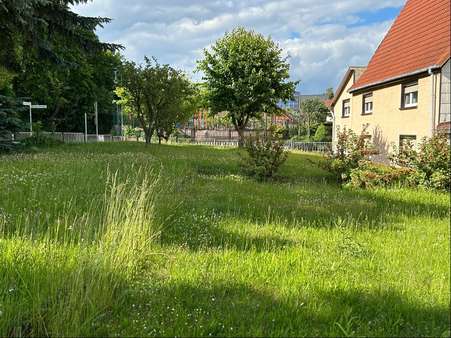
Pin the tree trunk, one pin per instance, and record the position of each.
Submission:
(148, 134)
(240, 130)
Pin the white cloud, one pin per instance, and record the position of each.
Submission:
(322, 37)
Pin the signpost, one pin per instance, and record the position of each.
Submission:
(31, 107)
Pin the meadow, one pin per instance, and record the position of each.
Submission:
(127, 240)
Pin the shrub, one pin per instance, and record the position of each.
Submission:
(372, 175)
(39, 138)
(431, 161)
(265, 155)
(321, 134)
(350, 151)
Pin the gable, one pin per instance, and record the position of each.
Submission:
(351, 75)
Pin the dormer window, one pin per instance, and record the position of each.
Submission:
(410, 95)
(346, 108)
(367, 107)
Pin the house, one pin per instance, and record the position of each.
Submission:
(404, 92)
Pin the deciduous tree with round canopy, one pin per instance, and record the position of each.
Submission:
(246, 76)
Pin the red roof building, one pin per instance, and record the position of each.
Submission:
(404, 94)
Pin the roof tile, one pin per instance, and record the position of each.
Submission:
(419, 38)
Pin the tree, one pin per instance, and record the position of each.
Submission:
(313, 112)
(330, 93)
(33, 26)
(9, 111)
(9, 119)
(157, 95)
(321, 134)
(58, 60)
(246, 76)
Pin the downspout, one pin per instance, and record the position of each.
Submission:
(333, 130)
(433, 100)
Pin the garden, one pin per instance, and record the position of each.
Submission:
(145, 239)
(125, 239)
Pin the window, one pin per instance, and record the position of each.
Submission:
(410, 95)
(367, 104)
(406, 139)
(346, 108)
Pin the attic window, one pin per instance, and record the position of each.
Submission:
(410, 95)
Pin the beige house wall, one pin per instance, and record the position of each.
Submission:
(389, 120)
(342, 122)
(445, 93)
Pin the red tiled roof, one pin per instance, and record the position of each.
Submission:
(420, 38)
(328, 103)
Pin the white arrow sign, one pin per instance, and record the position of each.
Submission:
(39, 106)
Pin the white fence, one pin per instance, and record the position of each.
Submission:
(75, 137)
(320, 147)
(316, 147)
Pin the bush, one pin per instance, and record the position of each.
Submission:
(265, 156)
(350, 151)
(321, 134)
(131, 131)
(431, 162)
(8, 146)
(372, 175)
(40, 139)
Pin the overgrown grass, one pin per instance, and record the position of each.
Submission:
(64, 279)
(181, 243)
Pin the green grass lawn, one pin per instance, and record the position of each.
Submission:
(124, 239)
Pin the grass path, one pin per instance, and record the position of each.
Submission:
(300, 256)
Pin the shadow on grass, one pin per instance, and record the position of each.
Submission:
(238, 310)
(307, 198)
(205, 234)
(313, 205)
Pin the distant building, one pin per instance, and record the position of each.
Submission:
(201, 120)
(298, 99)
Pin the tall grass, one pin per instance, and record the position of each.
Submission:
(300, 256)
(69, 279)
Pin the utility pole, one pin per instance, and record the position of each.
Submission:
(96, 119)
(86, 128)
(122, 121)
(299, 114)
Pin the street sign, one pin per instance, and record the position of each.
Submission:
(39, 106)
(28, 104)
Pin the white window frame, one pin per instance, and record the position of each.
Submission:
(408, 98)
(344, 109)
(366, 111)
(409, 138)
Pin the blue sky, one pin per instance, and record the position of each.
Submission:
(320, 37)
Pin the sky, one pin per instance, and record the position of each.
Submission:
(321, 38)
